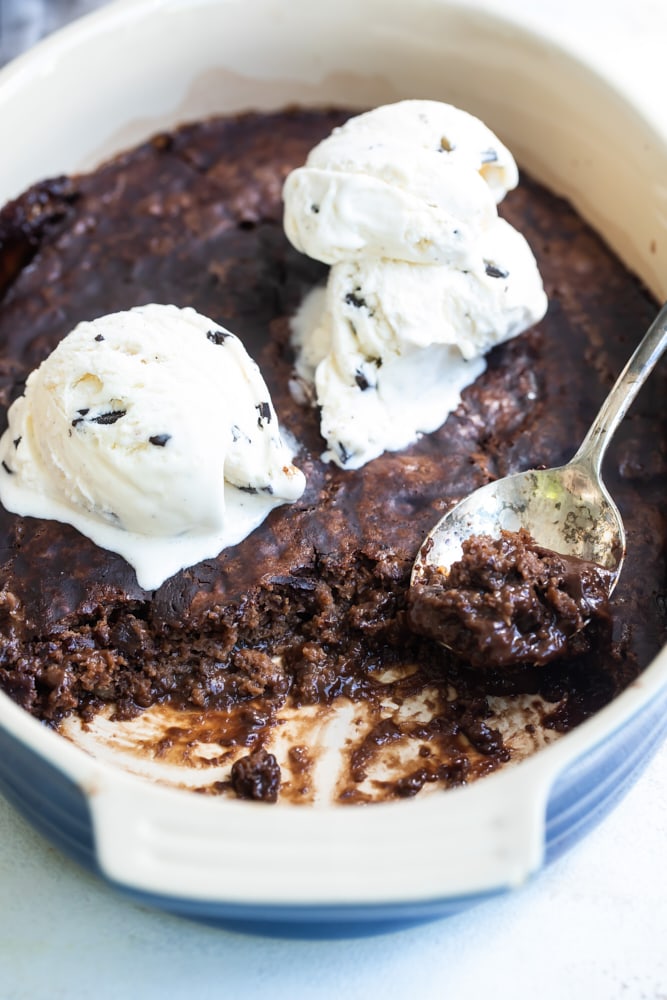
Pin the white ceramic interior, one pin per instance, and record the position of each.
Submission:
(138, 66)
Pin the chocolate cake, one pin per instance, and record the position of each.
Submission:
(311, 607)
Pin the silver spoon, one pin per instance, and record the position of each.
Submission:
(568, 509)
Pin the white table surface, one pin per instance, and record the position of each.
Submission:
(594, 925)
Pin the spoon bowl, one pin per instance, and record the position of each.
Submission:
(567, 509)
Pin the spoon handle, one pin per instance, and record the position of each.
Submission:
(626, 387)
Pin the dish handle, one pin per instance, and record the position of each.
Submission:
(477, 840)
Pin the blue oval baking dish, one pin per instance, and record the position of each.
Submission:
(328, 871)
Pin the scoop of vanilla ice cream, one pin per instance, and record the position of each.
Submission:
(393, 346)
(384, 306)
(375, 391)
(430, 126)
(415, 181)
(425, 276)
(152, 432)
(334, 216)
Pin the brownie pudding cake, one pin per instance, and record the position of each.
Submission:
(307, 609)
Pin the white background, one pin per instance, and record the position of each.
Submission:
(592, 926)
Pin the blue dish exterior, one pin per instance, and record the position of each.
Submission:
(583, 794)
